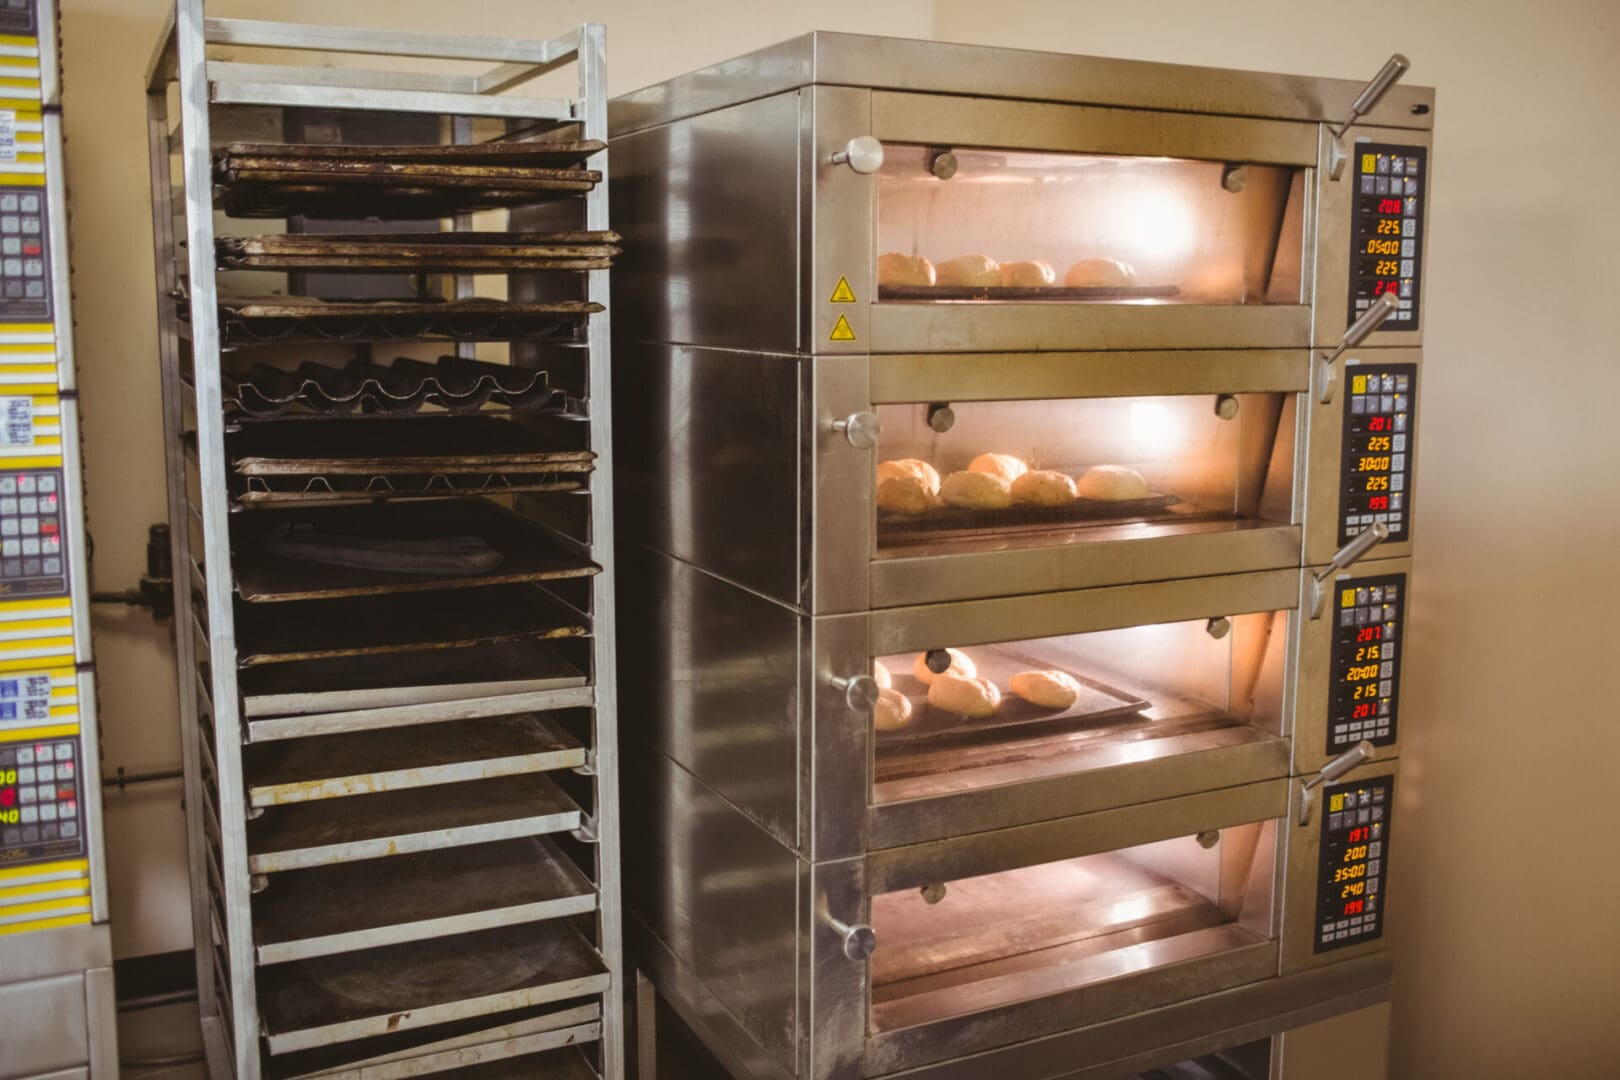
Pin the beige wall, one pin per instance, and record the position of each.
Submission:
(1509, 954)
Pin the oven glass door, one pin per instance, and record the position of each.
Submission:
(1020, 474)
(978, 225)
(950, 949)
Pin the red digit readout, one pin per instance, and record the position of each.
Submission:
(1389, 206)
(1353, 907)
(1369, 633)
(1378, 423)
(1382, 287)
(1378, 502)
(1360, 836)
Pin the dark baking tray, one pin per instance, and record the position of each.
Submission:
(361, 387)
(548, 154)
(527, 553)
(408, 446)
(294, 320)
(440, 252)
(1027, 292)
(930, 727)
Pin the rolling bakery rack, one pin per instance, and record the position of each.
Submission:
(392, 539)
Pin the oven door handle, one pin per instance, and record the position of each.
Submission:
(1358, 754)
(1365, 102)
(1360, 330)
(859, 940)
(1343, 559)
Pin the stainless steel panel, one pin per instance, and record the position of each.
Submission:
(694, 202)
(838, 482)
(836, 992)
(1326, 449)
(939, 68)
(1299, 891)
(722, 895)
(1167, 1033)
(921, 377)
(708, 451)
(1047, 327)
(714, 678)
(1147, 555)
(1314, 678)
(835, 756)
(838, 215)
(1025, 125)
(46, 1026)
(1066, 838)
(1335, 199)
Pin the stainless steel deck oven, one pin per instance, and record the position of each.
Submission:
(1015, 471)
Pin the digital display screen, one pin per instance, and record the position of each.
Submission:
(1366, 661)
(25, 266)
(33, 540)
(1354, 863)
(1386, 229)
(40, 818)
(17, 17)
(1376, 466)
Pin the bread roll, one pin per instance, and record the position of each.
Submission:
(961, 664)
(904, 495)
(910, 467)
(892, 711)
(971, 697)
(1048, 689)
(1100, 273)
(881, 676)
(1005, 466)
(976, 491)
(1112, 483)
(1043, 487)
(1027, 275)
(971, 270)
(897, 269)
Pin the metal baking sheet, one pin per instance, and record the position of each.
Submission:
(440, 252)
(563, 1064)
(333, 909)
(297, 320)
(381, 681)
(366, 762)
(1098, 703)
(413, 1053)
(331, 831)
(1062, 293)
(408, 446)
(379, 200)
(956, 520)
(547, 153)
(404, 623)
(417, 984)
(257, 493)
(526, 552)
(454, 383)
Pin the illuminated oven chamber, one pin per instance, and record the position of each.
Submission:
(1086, 228)
(1058, 705)
(967, 946)
(1103, 469)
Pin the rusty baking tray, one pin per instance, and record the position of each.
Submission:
(333, 909)
(400, 624)
(419, 756)
(543, 1041)
(1056, 293)
(439, 252)
(414, 985)
(361, 387)
(331, 831)
(554, 154)
(505, 548)
(1098, 704)
(450, 680)
(959, 521)
(303, 319)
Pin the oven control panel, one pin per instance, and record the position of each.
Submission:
(17, 17)
(1366, 662)
(40, 819)
(1379, 437)
(33, 556)
(1386, 229)
(25, 277)
(1355, 857)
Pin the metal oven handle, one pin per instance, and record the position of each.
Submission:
(861, 429)
(859, 940)
(1360, 330)
(863, 153)
(1365, 102)
(1356, 755)
(1365, 541)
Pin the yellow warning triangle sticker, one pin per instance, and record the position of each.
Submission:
(843, 294)
(842, 331)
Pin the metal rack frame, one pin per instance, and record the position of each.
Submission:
(218, 848)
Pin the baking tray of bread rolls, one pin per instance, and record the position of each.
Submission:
(896, 526)
(1096, 703)
(1069, 293)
